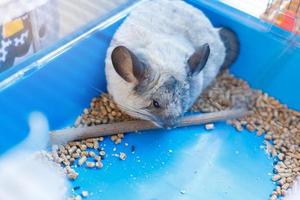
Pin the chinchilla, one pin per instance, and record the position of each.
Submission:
(162, 57)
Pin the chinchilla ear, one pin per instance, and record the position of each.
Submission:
(127, 65)
(198, 60)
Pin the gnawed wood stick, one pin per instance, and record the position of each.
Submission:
(71, 134)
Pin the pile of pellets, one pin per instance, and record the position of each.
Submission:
(279, 125)
(89, 153)
(102, 111)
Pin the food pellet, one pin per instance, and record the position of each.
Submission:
(97, 158)
(90, 145)
(82, 160)
(276, 177)
(68, 169)
(280, 156)
(89, 140)
(82, 147)
(99, 164)
(72, 149)
(122, 156)
(96, 144)
(72, 160)
(118, 141)
(66, 162)
(90, 164)
(72, 176)
(209, 126)
(92, 154)
(75, 155)
(114, 138)
(84, 194)
(113, 113)
(102, 153)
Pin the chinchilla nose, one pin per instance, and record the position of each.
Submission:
(171, 122)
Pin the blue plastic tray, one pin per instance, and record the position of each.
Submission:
(185, 163)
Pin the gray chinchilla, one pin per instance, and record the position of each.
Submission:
(162, 57)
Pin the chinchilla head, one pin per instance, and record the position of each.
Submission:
(165, 96)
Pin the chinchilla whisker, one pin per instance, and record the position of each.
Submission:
(147, 62)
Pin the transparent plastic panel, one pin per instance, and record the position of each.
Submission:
(75, 14)
(27, 27)
(252, 7)
(282, 14)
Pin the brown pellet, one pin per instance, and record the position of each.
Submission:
(209, 126)
(97, 158)
(84, 153)
(122, 156)
(72, 149)
(84, 194)
(89, 140)
(118, 141)
(280, 156)
(114, 138)
(72, 160)
(82, 147)
(285, 186)
(92, 154)
(66, 162)
(78, 151)
(75, 155)
(90, 145)
(276, 177)
(112, 105)
(99, 164)
(113, 113)
(90, 164)
(273, 197)
(96, 144)
(72, 176)
(82, 160)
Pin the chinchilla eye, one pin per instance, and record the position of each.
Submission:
(155, 104)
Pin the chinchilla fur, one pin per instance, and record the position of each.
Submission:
(162, 57)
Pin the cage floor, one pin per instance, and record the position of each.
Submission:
(184, 163)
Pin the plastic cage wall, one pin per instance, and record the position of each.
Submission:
(61, 78)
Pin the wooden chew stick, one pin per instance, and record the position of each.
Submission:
(71, 134)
